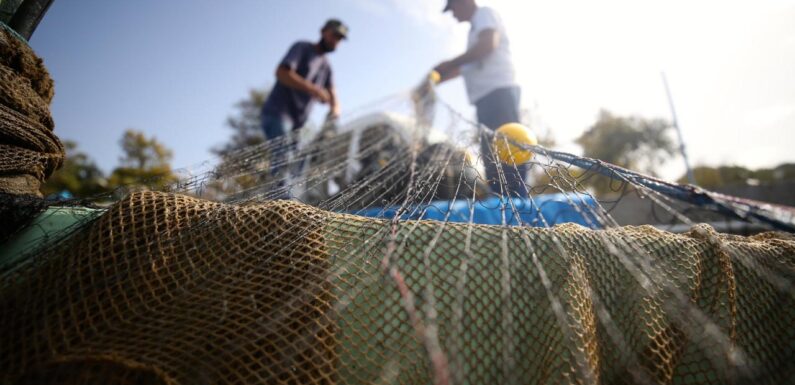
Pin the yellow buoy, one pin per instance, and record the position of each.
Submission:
(435, 77)
(509, 153)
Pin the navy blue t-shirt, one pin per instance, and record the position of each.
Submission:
(303, 58)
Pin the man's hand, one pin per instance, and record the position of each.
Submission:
(291, 79)
(446, 68)
(333, 113)
(334, 104)
(488, 41)
(321, 95)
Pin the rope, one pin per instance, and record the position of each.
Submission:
(742, 209)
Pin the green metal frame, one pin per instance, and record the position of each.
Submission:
(49, 226)
(23, 16)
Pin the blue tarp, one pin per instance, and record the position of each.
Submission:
(553, 208)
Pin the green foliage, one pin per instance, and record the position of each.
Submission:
(246, 125)
(710, 178)
(144, 163)
(79, 175)
(784, 172)
(715, 177)
(143, 153)
(631, 142)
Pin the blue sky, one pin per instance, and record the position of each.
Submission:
(175, 69)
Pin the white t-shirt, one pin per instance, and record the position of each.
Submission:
(495, 70)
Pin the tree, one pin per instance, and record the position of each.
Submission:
(782, 173)
(246, 124)
(143, 153)
(722, 176)
(79, 176)
(145, 163)
(240, 169)
(544, 179)
(711, 178)
(631, 142)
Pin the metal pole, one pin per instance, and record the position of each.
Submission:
(690, 178)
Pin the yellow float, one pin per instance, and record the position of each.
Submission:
(507, 151)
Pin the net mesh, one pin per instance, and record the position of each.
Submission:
(217, 282)
(30, 150)
(174, 289)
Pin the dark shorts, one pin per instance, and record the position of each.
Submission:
(499, 107)
(278, 132)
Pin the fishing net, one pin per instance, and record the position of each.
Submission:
(179, 290)
(380, 269)
(31, 152)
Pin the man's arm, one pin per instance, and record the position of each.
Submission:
(448, 74)
(334, 105)
(290, 78)
(488, 41)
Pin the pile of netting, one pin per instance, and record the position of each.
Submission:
(170, 289)
(217, 282)
(29, 150)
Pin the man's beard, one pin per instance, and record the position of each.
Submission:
(325, 47)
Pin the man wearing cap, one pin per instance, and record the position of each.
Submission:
(488, 72)
(303, 77)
